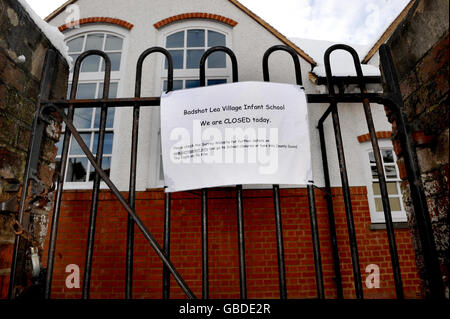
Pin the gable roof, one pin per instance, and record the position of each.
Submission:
(252, 15)
(388, 32)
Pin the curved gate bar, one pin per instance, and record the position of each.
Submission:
(377, 155)
(276, 188)
(120, 198)
(298, 71)
(96, 187)
(204, 191)
(210, 51)
(64, 156)
(132, 186)
(344, 177)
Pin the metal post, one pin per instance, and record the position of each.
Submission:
(205, 270)
(280, 247)
(241, 242)
(331, 221)
(166, 273)
(47, 78)
(316, 242)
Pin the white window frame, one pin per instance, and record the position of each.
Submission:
(96, 77)
(378, 217)
(154, 180)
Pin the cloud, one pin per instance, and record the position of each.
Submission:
(350, 21)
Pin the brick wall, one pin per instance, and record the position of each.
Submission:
(420, 49)
(108, 273)
(19, 88)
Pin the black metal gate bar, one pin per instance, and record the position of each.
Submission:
(96, 186)
(276, 188)
(280, 246)
(381, 176)
(395, 103)
(330, 209)
(347, 202)
(378, 160)
(47, 78)
(61, 176)
(132, 188)
(166, 273)
(204, 191)
(315, 242)
(205, 254)
(241, 242)
(120, 198)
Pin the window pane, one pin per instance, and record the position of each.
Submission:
(378, 205)
(376, 189)
(216, 81)
(115, 61)
(76, 170)
(107, 146)
(215, 38)
(86, 91)
(193, 58)
(195, 38)
(177, 57)
(388, 156)
(90, 64)
(113, 43)
(374, 172)
(94, 41)
(106, 166)
(112, 91)
(76, 45)
(75, 149)
(82, 118)
(395, 204)
(371, 157)
(217, 60)
(109, 117)
(177, 85)
(192, 84)
(390, 171)
(392, 188)
(175, 40)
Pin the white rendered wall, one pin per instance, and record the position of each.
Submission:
(249, 42)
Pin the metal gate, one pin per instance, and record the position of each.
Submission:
(64, 109)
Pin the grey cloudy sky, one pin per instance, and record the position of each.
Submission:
(349, 21)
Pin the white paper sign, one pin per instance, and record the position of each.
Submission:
(231, 134)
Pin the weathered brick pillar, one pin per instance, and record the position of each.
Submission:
(22, 52)
(420, 49)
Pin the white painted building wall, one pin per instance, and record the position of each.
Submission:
(249, 41)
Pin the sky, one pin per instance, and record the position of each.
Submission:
(350, 21)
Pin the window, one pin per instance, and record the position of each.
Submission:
(393, 187)
(87, 120)
(187, 47)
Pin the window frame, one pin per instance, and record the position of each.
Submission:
(98, 77)
(377, 217)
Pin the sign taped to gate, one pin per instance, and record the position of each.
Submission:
(232, 134)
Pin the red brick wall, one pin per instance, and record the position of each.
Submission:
(261, 256)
